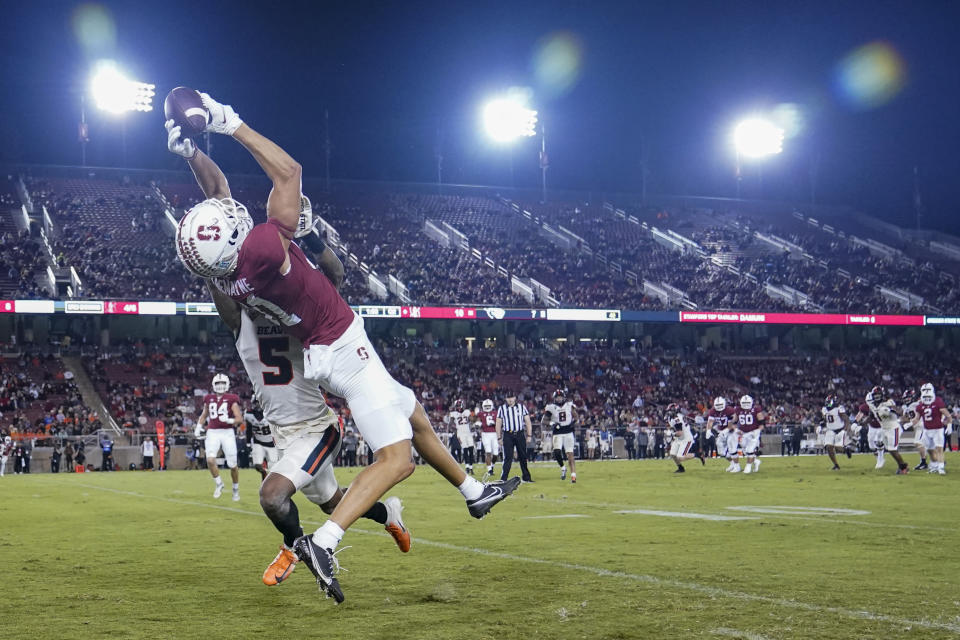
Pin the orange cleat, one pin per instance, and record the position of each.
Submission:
(395, 526)
(281, 568)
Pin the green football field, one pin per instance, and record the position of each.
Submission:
(631, 551)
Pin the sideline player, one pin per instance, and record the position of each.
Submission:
(837, 425)
(866, 415)
(909, 412)
(5, 448)
(750, 418)
(561, 414)
(260, 438)
(459, 417)
(884, 411)
(221, 412)
(487, 416)
(937, 423)
(308, 434)
(723, 419)
(260, 268)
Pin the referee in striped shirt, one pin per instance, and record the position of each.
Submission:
(513, 429)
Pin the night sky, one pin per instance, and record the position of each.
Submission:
(616, 84)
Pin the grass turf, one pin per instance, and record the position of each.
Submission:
(147, 555)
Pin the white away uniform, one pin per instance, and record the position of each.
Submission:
(460, 420)
(889, 423)
(306, 431)
(263, 445)
(561, 420)
(835, 434)
(682, 436)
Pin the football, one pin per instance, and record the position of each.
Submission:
(184, 106)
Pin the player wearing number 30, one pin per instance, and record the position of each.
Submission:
(221, 412)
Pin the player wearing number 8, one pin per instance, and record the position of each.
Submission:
(221, 413)
(561, 414)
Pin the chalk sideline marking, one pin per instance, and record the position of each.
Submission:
(683, 514)
(812, 511)
(598, 571)
(562, 515)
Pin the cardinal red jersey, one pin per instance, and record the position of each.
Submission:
(872, 421)
(488, 421)
(220, 409)
(748, 420)
(721, 419)
(930, 413)
(302, 300)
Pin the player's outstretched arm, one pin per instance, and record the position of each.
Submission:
(228, 309)
(205, 170)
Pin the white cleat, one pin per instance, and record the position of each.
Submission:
(563, 473)
(236, 496)
(748, 468)
(736, 469)
(941, 471)
(880, 462)
(218, 491)
(756, 465)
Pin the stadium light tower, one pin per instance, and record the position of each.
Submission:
(507, 118)
(755, 138)
(116, 94)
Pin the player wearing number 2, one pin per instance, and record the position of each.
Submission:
(221, 413)
(261, 268)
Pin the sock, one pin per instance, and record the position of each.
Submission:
(558, 457)
(377, 513)
(471, 489)
(287, 521)
(328, 536)
(236, 486)
(218, 481)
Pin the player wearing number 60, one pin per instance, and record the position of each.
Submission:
(259, 267)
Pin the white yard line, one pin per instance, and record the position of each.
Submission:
(563, 515)
(714, 592)
(684, 514)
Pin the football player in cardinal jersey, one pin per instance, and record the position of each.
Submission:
(750, 418)
(487, 416)
(561, 414)
(459, 419)
(682, 436)
(884, 411)
(908, 410)
(260, 267)
(306, 431)
(721, 425)
(937, 423)
(838, 423)
(221, 413)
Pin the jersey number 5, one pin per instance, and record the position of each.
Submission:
(284, 368)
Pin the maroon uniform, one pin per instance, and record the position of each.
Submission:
(488, 421)
(303, 300)
(721, 419)
(219, 409)
(872, 420)
(748, 420)
(930, 414)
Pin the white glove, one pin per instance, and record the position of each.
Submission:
(223, 119)
(948, 430)
(306, 222)
(198, 432)
(180, 146)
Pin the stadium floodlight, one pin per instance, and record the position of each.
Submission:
(508, 118)
(113, 92)
(757, 138)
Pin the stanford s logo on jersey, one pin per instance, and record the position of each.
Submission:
(208, 232)
(362, 353)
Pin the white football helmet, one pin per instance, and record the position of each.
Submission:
(719, 403)
(746, 403)
(487, 405)
(210, 234)
(7, 440)
(927, 394)
(221, 383)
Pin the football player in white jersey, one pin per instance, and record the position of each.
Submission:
(562, 414)
(722, 425)
(884, 409)
(5, 448)
(837, 424)
(682, 441)
(260, 437)
(459, 419)
(306, 432)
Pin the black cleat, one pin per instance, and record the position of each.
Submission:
(921, 466)
(836, 467)
(680, 469)
(322, 564)
(703, 459)
(849, 452)
(493, 493)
